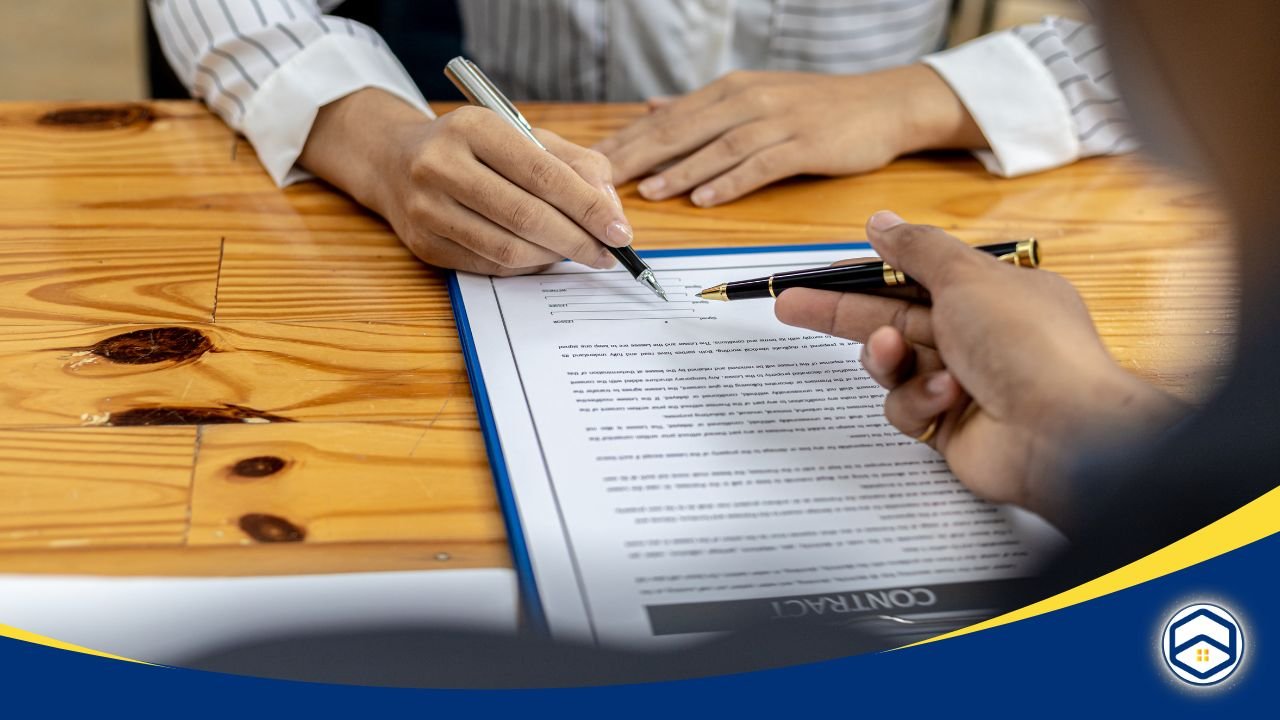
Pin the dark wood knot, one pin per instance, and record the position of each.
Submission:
(223, 415)
(260, 466)
(101, 117)
(153, 345)
(271, 528)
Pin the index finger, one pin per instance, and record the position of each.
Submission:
(553, 181)
(854, 316)
(673, 133)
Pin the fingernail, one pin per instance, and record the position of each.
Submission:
(652, 187)
(613, 193)
(884, 220)
(868, 360)
(618, 234)
(938, 384)
(704, 197)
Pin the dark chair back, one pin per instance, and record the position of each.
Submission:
(423, 35)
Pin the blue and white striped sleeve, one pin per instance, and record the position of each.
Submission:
(266, 67)
(1043, 95)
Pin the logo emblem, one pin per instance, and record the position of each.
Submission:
(1202, 644)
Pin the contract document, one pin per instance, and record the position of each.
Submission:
(670, 470)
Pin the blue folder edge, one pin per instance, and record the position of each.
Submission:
(530, 599)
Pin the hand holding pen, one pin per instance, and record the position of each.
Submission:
(466, 190)
(1004, 373)
(554, 181)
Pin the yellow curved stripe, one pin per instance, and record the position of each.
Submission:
(1250, 523)
(1253, 522)
(18, 634)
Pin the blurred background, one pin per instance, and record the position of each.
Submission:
(104, 50)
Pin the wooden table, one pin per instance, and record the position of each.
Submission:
(206, 375)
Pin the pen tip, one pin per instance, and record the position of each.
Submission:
(719, 292)
(652, 283)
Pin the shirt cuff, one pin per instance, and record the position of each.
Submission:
(1015, 101)
(280, 114)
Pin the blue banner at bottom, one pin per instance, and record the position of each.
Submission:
(1196, 641)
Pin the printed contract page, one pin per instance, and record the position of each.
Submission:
(708, 468)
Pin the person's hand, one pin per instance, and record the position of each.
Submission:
(1006, 359)
(749, 129)
(468, 191)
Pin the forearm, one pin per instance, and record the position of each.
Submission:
(352, 143)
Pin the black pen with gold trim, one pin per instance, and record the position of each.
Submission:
(857, 277)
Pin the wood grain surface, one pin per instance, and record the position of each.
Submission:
(207, 375)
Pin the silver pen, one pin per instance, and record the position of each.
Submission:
(480, 90)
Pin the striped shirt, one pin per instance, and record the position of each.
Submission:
(1042, 93)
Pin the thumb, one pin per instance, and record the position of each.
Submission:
(930, 256)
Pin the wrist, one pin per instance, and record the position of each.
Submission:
(932, 117)
(356, 142)
(1115, 412)
(1140, 409)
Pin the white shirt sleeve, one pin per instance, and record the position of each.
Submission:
(1042, 94)
(266, 67)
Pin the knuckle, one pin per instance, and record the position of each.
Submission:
(507, 254)
(489, 196)
(763, 164)
(526, 218)
(467, 116)
(596, 164)
(766, 98)
(666, 132)
(596, 210)
(456, 123)
(422, 214)
(425, 166)
(543, 173)
(736, 143)
(735, 79)
(1059, 283)
(423, 247)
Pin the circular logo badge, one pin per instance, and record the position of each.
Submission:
(1203, 644)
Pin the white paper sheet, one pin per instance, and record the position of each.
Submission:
(168, 620)
(690, 467)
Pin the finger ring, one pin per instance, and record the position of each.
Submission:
(929, 432)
